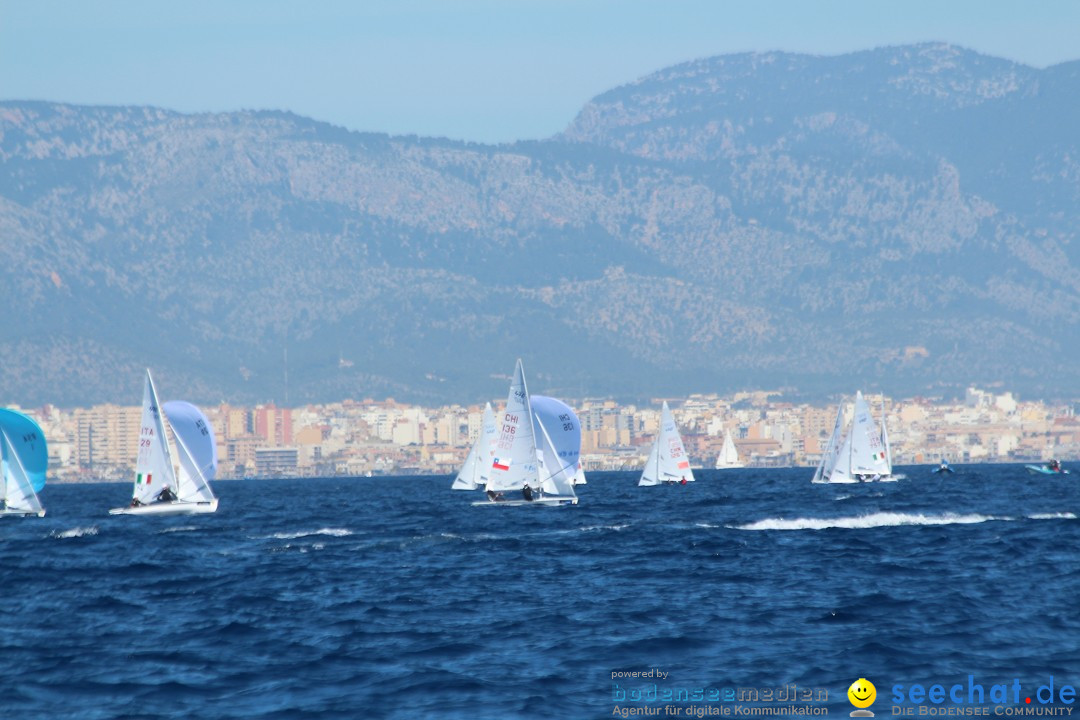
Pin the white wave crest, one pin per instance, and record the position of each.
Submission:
(333, 532)
(1053, 516)
(594, 528)
(74, 532)
(182, 528)
(879, 519)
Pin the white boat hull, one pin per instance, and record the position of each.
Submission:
(538, 501)
(169, 508)
(11, 512)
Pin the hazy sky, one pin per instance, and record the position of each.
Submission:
(486, 70)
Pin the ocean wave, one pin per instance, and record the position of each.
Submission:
(594, 528)
(333, 532)
(74, 532)
(1053, 516)
(879, 519)
(182, 528)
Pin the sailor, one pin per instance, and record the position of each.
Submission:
(166, 495)
(526, 492)
(1055, 465)
(494, 496)
(683, 480)
(135, 502)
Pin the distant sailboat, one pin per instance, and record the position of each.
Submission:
(158, 488)
(579, 476)
(668, 462)
(729, 454)
(527, 467)
(23, 461)
(474, 471)
(862, 454)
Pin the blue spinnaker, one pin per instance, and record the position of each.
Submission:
(28, 440)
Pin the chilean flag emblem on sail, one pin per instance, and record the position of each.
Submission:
(499, 465)
(684, 464)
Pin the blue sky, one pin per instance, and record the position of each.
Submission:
(484, 70)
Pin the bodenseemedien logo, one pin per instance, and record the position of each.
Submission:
(862, 694)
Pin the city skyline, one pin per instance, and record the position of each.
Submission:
(361, 437)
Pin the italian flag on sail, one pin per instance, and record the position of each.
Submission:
(139, 478)
(878, 456)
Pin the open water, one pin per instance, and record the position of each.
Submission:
(396, 598)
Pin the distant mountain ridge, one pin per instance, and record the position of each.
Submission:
(902, 218)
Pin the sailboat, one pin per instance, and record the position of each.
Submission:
(527, 468)
(579, 476)
(474, 471)
(158, 488)
(729, 454)
(861, 455)
(668, 462)
(23, 460)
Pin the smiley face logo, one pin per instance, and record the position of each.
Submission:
(862, 693)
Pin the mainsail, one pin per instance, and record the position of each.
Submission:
(729, 454)
(154, 464)
(513, 463)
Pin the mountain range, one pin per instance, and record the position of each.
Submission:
(903, 219)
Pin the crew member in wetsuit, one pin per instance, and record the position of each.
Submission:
(526, 492)
(166, 495)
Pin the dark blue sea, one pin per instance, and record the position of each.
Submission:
(396, 598)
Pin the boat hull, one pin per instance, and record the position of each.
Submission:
(169, 508)
(10, 512)
(1043, 470)
(551, 501)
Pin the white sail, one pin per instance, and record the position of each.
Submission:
(489, 436)
(190, 491)
(579, 476)
(867, 450)
(197, 451)
(18, 493)
(864, 452)
(154, 464)
(885, 439)
(555, 476)
(729, 454)
(474, 471)
(832, 448)
(841, 469)
(667, 461)
(562, 426)
(651, 474)
(513, 462)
